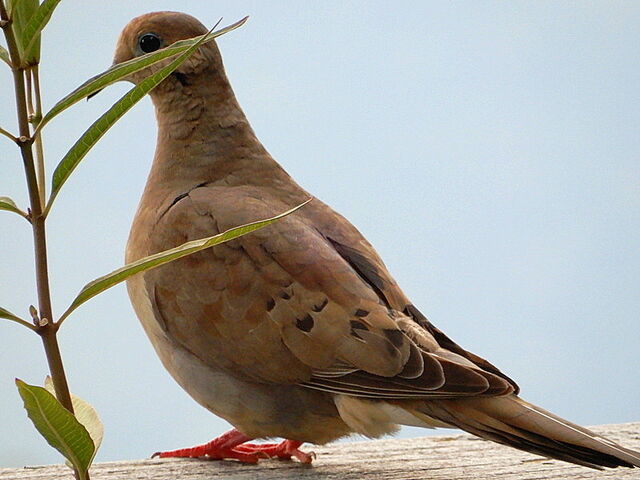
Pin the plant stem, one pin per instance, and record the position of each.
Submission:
(36, 116)
(47, 330)
(52, 350)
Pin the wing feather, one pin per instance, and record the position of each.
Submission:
(305, 300)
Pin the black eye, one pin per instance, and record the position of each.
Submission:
(149, 42)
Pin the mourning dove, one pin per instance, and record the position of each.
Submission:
(297, 330)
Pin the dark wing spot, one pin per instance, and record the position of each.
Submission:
(271, 303)
(361, 313)
(358, 325)
(354, 333)
(285, 295)
(305, 324)
(319, 308)
(396, 337)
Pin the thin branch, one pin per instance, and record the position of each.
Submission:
(8, 135)
(36, 116)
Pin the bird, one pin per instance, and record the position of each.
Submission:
(296, 331)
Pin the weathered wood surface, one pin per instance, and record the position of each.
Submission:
(457, 457)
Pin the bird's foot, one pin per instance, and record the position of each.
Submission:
(231, 445)
(283, 450)
(220, 448)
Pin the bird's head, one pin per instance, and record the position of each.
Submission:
(153, 31)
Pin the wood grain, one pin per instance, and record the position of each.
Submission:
(455, 457)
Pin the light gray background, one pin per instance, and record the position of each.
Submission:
(489, 150)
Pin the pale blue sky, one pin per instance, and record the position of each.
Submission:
(489, 150)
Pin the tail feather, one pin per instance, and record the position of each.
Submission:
(512, 421)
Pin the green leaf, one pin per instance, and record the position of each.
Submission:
(7, 204)
(124, 69)
(6, 314)
(85, 414)
(21, 12)
(31, 34)
(58, 426)
(11, 5)
(101, 284)
(91, 136)
(4, 55)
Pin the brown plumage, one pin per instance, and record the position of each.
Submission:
(297, 330)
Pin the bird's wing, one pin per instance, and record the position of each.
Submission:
(301, 302)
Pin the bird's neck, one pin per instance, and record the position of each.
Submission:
(204, 137)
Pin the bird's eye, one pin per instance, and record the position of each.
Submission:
(149, 42)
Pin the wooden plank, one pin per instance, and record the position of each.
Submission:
(456, 457)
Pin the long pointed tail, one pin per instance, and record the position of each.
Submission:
(512, 421)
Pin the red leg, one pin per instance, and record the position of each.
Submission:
(283, 450)
(231, 445)
(219, 448)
